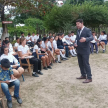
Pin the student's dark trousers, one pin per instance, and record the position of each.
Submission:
(83, 60)
(36, 63)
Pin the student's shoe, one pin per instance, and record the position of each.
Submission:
(103, 51)
(68, 57)
(39, 72)
(58, 61)
(96, 52)
(63, 59)
(49, 67)
(19, 100)
(45, 68)
(35, 75)
(73, 55)
(51, 64)
(9, 104)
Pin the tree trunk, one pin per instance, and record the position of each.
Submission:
(4, 26)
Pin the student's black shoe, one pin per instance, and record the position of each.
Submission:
(39, 72)
(103, 51)
(63, 59)
(58, 61)
(35, 75)
(9, 104)
(49, 67)
(19, 100)
(51, 64)
(68, 57)
(45, 68)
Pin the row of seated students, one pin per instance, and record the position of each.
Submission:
(45, 50)
(101, 41)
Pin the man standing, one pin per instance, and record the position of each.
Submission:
(84, 36)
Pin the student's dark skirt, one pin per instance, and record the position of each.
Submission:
(105, 41)
(35, 55)
(60, 47)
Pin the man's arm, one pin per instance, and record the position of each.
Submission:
(89, 36)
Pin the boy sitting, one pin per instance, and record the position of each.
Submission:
(6, 74)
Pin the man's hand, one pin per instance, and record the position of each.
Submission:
(82, 39)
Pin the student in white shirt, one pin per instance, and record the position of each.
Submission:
(22, 35)
(16, 44)
(45, 49)
(102, 40)
(94, 43)
(73, 37)
(33, 38)
(24, 51)
(50, 34)
(18, 71)
(54, 48)
(70, 45)
(28, 38)
(37, 36)
(42, 56)
(53, 35)
(58, 51)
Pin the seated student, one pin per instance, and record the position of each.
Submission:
(44, 49)
(9, 45)
(73, 37)
(102, 40)
(18, 71)
(70, 45)
(16, 44)
(33, 38)
(51, 48)
(94, 43)
(58, 51)
(6, 74)
(22, 35)
(24, 51)
(42, 56)
(37, 36)
(50, 34)
(53, 35)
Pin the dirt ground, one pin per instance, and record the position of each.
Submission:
(58, 87)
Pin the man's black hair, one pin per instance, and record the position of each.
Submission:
(6, 38)
(6, 42)
(29, 34)
(17, 38)
(79, 20)
(22, 33)
(103, 32)
(72, 31)
(50, 37)
(5, 63)
(45, 38)
(93, 32)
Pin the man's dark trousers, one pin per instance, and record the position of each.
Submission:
(83, 60)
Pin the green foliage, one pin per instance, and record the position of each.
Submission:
(17, 31)
(58, 18)
(61, 18)
(35, 23)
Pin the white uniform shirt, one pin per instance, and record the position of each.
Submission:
(28, 39)
(43, 45)
(33, 38)
(11, 49)
(37, 37)
(102, 37)
(69, 42)
(10, 57)
(73, 38)
(23, 49)
(16, 44)
(94, 41)
(55, 44)
(36, 48)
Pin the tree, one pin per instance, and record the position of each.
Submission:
(18, 7)
(93, 16)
